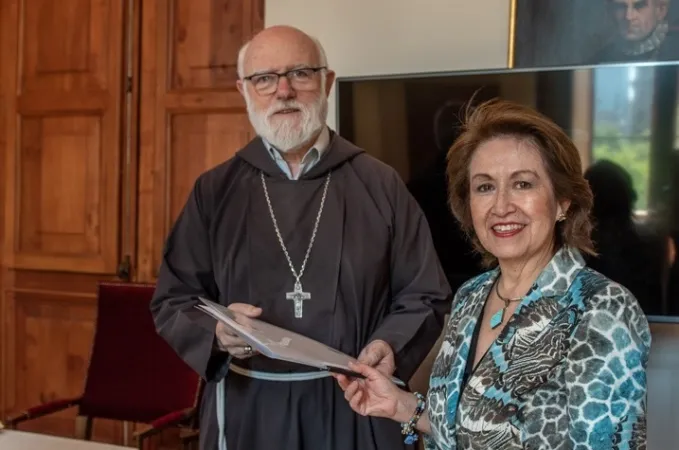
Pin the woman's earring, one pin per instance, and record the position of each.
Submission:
(561, 217)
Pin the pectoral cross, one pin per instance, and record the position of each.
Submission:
(298, 296)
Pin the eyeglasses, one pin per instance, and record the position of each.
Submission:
(302, 79)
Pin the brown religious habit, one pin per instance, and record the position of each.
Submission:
(371, 273)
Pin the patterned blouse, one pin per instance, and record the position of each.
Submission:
(567, 372)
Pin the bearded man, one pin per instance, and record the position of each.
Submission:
(306, 231)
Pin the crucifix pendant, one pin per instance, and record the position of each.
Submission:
(298, 296)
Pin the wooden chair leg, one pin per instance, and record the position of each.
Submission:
(81, 425)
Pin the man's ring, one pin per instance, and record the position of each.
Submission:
(247, 350)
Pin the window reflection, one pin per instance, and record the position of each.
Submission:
(622, 123)
(623, 119)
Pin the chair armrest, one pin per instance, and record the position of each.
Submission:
(172, 419)
(190, 436)
(42, 410)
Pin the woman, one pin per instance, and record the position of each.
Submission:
(540, 352)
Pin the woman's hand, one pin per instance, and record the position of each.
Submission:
(375, 395)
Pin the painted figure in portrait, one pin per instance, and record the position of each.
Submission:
(585, 32)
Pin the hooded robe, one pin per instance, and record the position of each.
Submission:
(372, 273)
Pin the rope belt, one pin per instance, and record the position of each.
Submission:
(269, 376)
(258, 375)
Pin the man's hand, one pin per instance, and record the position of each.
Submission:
(228, 340)
(378, 354)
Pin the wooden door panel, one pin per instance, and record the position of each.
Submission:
(53, 336)
(59, 201)
(63, 135)
(203, 56)
(4, 321)
(192, 117)
(52, 333)
(65, 44)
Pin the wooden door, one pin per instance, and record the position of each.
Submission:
(99, 153)
(192, 116)
(3, 315)
(61, 77)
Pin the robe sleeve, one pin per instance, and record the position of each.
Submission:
(606, 376)
(421, 295)
(186, 272)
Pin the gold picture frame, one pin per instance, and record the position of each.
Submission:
(512, 34)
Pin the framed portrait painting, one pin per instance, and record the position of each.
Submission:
(551, 33)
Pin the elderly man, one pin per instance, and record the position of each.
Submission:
(306, 231)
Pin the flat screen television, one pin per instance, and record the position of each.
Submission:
(624, 113)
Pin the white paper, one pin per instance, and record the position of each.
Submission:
(279, 343)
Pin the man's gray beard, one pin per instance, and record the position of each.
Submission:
(289, 135)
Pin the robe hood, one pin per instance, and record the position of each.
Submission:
(338, 152)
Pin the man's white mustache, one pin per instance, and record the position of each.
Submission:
(278, 108)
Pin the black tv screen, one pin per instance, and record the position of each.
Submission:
(625, 114)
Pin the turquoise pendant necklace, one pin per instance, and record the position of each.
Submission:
(497, 318)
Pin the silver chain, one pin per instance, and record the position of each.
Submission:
(278, 233)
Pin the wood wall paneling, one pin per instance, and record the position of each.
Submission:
(4, 319)
(61, 77)
(192, 116)
(63, 136)
(97, 166)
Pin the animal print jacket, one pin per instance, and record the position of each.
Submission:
(567, 372)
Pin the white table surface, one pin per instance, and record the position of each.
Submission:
(21, 440)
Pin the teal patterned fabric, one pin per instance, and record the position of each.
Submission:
(567, 372)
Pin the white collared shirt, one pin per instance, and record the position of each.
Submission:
(308, 161)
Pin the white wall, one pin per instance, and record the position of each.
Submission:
(376, 37)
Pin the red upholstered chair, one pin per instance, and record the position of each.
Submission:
(188, 420)
(133, 375)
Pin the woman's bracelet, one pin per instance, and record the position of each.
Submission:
(408, 428)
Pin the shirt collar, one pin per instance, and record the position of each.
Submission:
(557, 277)
(561, 271)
